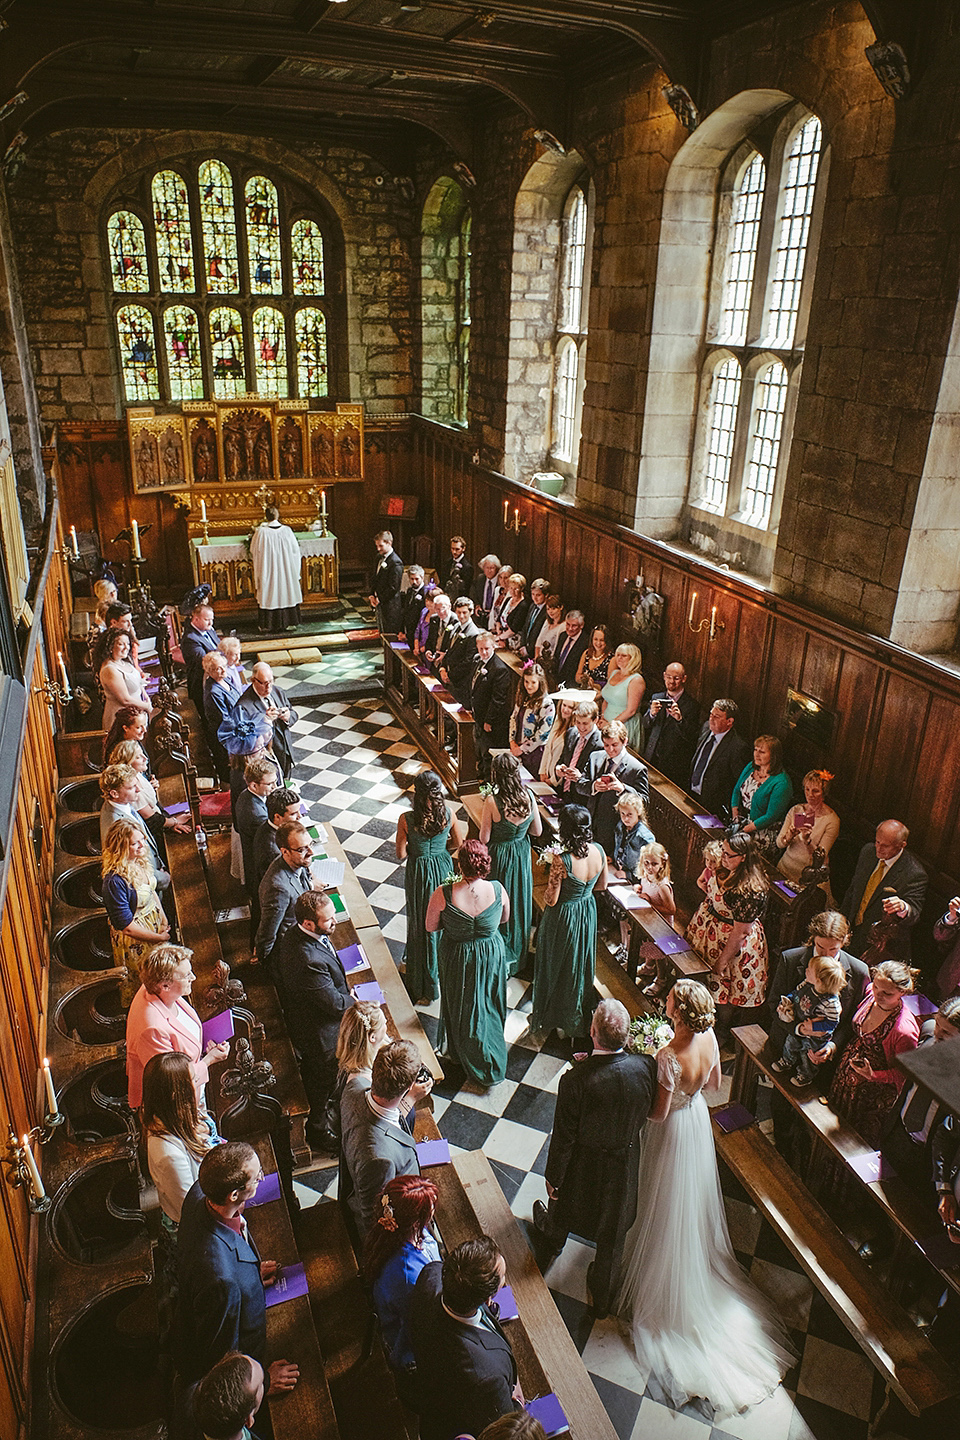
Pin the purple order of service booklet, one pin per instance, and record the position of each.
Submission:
(291, 1281)
(218, 1028)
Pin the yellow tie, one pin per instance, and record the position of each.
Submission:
(868, 893)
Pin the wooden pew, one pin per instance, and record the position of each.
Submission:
(403, 1022)
(427, 709)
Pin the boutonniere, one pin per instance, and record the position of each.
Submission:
(482, 670)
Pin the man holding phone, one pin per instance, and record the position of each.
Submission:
(671, 724)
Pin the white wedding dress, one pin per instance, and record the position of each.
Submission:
(697, 1322)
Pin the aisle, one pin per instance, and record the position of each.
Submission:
(353, 763)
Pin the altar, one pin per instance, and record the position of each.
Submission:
(223, 562)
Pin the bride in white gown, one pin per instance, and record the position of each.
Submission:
(697, 1322)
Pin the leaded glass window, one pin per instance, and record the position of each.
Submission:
(184, 355)
(127, 242)
(219, 225)
(269, 351)
(311, 345)
(263, 236)
(574, 259)
(570, 338)
(721, 431)
(742, 252)
(565, 400)
(768, 413)
(226, 348)
(138, 353)
(803, 162)
(171, 215)
(306, 248)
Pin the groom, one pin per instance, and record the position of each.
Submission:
(591, 1172)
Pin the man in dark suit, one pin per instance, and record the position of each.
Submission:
(536, 616)
(197, 640)
(491, 700)
(441, 632)
(718, 760)
(459, 576)
(282, 806)
(907, 1141)
(412, 601)
(263, 697)
(220, 1306)
(281, 887)
(581, 741)
(387, 580)
(607, 773)
(888, 884)
(456, 669)
(591, 1173)
(671, 723)
(570, 648)
(465, 1366)
(314, 994)
(484, 588)
(375, 1145)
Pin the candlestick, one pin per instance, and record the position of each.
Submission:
(693, 606)
(73, 542)
(35, 1181)
(51, 1093)
(203, 511)
(63, 674)
(135, 529)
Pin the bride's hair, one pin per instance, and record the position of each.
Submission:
(693, 1005)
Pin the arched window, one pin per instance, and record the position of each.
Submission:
(445, 302)
(768, 411)
(565, 399)
(742, 251)
(721, 428)
(796, 209)
(200, 245)
(570, 340)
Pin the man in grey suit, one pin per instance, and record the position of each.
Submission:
(607, 773)
(375, 1145)
(118, 786)
(281, 887)
(263, 697)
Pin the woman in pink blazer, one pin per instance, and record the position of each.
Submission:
(160, 1019)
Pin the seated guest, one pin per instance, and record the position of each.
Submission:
(220, 1307)
(911, 1140)
(761, 796)
(513, 613)
(465, 1367)
(947, 934)
(518, 1425)
(868, 1080)
(622, 696)
(946, 1173)
(375, 1145)
(231, 651)
(314, 993)
(532, 718)
(421, 634)
(178, 1132)
(491, 692)
(263, 699)
(456, 669)
(134, 913)
(808, 827)
(670, 724)
(197, 640)
(285, 880)
(888, 884)
(718, 760)
(552, 632)
(536, 617)
(226, 1401)
(566, 704)
(606, 775)
(161, 1018)
(119, 788)
(595, 660)
(411, 603)
(582, 741)
(484, 589)
(459, 576)
(399, 1244)
(283, 808)
(570, 647)
(219, 701)
(441, 632)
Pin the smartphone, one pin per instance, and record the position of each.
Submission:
(423, 1075)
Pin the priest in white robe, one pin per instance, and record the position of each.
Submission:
(276, 574)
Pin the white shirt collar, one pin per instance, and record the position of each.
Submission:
(475, 1319)
(391, 1113)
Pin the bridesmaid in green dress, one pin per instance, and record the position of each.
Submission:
(509, 817)
(425, 838)
(567, 938)
(473, 968)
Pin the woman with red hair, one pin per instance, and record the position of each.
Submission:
(399, 1244)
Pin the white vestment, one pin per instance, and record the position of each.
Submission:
(276, 566)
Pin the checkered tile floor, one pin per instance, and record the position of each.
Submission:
(347, 672)
(353, 764)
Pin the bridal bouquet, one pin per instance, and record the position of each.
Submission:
(546, 855)
(648, 1035)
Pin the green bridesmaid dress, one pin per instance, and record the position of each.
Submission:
(473, 990)
(428, 865)
(564, 962)
(512, 864)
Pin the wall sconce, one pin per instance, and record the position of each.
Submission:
(22, 1172)
(512, 523)
(713, 622)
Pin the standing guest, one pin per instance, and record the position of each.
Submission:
(569, 649)
(567, 938)
(260, 778)
(595, 661)
(421, 635)
(868, 1080)
(219, 702)
(808, 827)
(726, 930)
(465, 1366)
(227, 1399)
(552, 632)
(412, 602)
(591, 1173)
(945, 1142)
(490, 696)
(105, 591)
(276, 560)
(532, 718)
(129, 723)
(484, 588)
(286, 879)
(399, 1244)
(459, 576)
(363, 1031)
(245, 738)
(566, 706)
(814, 1002)
(198, 638)
(178, 1133)
(427, 836)
(718, 760)
(606, 775)
(910, 1133)
(622, 696)
(231, 650)
(888, 884)
(670, 725)
(221, 1306)
(946, 933)
(582, 740)
(120, 616)
(314, 994)
(387, 581)
(441, 632)
(536, 617)
(656, 888)
(510, 815)
(134, 913)
(264, 698)
(513, 614)
(119, 679)
(518, 1425)
(456, 668)
(119, 788)
(473, 968)
(283, 808)
(376, 1146)
(828, 934)
(762, 795)
(630, 838)
(501, 598)
(146, 804)
(161, 1018)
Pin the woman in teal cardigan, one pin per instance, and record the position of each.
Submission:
(763, 794)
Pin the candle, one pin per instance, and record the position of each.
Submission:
(203, 511)
(136, 540)
(73, 542)
(713, 622)
(51, 1094)
(63, 674)
(323, 502)
(693, 606)
(35, 1181)
(516, 518)
(506, 513)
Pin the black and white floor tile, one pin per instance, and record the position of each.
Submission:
(354, 763)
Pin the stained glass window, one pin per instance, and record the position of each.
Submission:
(182, 341)
(306, 246)
(311, 341)
(269, 351)
(263, 236)
(138, 353)
(171, 214)
(226, 346)
(128, 252)
(219, 226)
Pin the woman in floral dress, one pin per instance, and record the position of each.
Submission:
(727, 932)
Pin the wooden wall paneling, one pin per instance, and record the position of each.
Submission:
(766, 702)
(933, 802)
(897, 747)
(820, 673)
